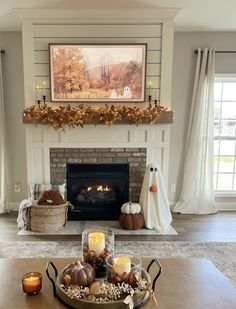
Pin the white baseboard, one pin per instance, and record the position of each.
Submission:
(15, 206)
(172, 204)
(226, 206)
(220, 206)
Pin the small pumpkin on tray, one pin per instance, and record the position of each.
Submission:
(78, 273)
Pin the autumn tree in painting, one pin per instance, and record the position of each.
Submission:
(69, 71)
(132, 76)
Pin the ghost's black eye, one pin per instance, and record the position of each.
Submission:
(155, 169)
(151, 169)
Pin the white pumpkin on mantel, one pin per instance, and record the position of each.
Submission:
(131, 208)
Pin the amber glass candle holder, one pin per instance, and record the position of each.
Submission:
(97, 244)
(32, 283)
(124, 268)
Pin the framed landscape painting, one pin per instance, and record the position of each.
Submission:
(98, 72)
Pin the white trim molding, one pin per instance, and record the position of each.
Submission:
(97, 16)
(14, 206)
(227, 206)
(41, 138)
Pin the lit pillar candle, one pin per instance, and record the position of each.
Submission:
(96, 242)
(44, 87)
(122, 265)
(37, 92)
(150, 86)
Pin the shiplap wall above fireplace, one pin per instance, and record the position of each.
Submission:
(40, 27)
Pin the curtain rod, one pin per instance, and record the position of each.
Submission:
(3, 51)
(219, 51)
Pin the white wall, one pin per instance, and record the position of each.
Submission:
(183, 72)
(14, 103)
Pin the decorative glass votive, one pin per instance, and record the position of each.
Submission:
(32, 283)
(124, 268)
(97, 244)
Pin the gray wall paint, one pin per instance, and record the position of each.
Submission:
(14, 103)
(183, 73)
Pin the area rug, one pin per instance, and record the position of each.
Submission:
(221, 254)
(77, 227)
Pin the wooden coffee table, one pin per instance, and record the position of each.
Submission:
(184, 284)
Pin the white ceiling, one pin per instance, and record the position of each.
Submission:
(195, 15)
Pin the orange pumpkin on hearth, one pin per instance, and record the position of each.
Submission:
(131, 221)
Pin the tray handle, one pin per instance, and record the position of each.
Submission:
(158, 273)
(50, 263)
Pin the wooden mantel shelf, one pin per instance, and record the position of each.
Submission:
(69, 116)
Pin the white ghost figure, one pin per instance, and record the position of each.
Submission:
(113, 94)
(154, 200)
(127, 94)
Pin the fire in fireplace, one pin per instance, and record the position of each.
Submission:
(97, 191)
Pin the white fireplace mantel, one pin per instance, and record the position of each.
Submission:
(41, 138)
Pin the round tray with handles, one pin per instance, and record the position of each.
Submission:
(139, 300)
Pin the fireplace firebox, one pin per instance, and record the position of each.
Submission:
(97, 191)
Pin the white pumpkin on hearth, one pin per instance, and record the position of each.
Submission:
(131, 208)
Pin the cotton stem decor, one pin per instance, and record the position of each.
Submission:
(80, 115)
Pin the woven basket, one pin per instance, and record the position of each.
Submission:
(47, 218)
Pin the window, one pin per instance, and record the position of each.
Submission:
(225, 134)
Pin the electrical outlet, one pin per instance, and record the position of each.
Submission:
(172, 188)
(17, 187)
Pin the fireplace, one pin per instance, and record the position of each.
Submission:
(96, 190)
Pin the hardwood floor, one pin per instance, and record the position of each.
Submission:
(218, 227)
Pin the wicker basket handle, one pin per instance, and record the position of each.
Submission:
(49, 263)
(158, 273)
(70, 205)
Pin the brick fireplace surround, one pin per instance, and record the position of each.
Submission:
(136, 157)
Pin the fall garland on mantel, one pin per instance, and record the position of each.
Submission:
(70, 116)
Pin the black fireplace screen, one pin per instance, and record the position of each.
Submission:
(97, 191)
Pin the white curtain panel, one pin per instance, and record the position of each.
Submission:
(4, 193)
(197, 196)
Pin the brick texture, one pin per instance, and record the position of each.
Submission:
(136, 157)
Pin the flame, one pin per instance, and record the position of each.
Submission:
(105, 188)
(99, 188)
